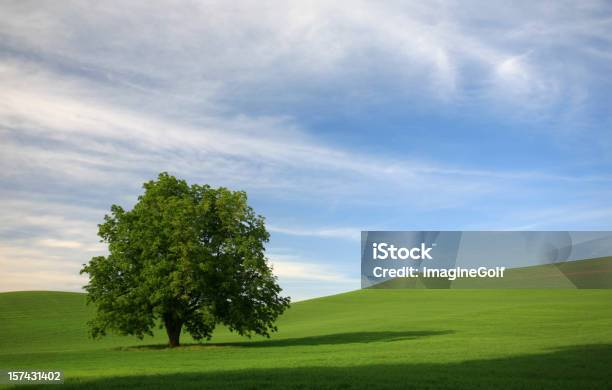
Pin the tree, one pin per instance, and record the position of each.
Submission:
(185, 257)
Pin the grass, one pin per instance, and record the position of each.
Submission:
(588, 273)
(438, 339)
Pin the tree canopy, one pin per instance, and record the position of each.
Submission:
(184, 257)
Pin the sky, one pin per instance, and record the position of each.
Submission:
(335, 117)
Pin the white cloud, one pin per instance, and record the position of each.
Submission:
(54, 243)
(95, 99)
(203, 53)
(26, 267)
(294, 268)
(98, 142)
(17, 280)
(353, 234)
(582, 217)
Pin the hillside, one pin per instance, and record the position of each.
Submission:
(585, 274)
(389, 338)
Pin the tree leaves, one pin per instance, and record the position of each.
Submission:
(190, 256)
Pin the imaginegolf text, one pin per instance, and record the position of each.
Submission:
(449, 273)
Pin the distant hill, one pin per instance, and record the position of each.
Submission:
(583, 274)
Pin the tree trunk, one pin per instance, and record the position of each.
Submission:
(173, 328)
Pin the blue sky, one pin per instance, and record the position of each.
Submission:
(335, 117)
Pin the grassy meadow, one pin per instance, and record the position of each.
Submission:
(436, 339)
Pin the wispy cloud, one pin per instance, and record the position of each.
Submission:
(95, 141)
(353, 234)
(581, 216)
(204, 54)
(294, 268)
(214, 94)
(27, 268)
(54, 243)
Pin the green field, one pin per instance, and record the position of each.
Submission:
(586, 274)
(450, 339)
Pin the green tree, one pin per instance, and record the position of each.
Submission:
(185, 257)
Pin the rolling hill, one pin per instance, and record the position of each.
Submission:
(438, 339)
(585, 274)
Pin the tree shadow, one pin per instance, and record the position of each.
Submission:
(575, 367)
(329, 339)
